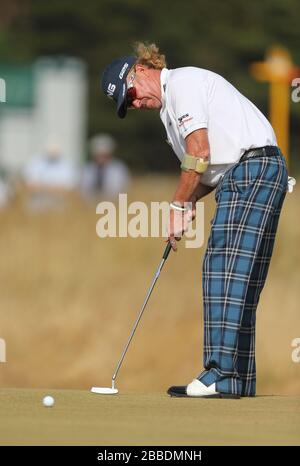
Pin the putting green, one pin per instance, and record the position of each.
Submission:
(83, 418)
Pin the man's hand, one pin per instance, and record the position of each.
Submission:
(178, 224)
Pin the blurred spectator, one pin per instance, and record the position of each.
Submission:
(48, 178)
(104, 175)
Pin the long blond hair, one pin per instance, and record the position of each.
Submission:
(149, 55)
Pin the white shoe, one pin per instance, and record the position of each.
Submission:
(197, 388)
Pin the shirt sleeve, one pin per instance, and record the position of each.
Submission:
(190, 104)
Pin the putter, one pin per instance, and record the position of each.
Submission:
(113, 390)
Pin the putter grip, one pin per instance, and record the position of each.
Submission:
(167, 251)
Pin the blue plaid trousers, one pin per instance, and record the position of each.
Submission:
(249, 199)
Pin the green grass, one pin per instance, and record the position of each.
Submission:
(83, 418)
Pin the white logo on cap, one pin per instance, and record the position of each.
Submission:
(125, 66)
(111, 89)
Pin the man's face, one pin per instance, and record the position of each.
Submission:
(102, 158)
(146, 93)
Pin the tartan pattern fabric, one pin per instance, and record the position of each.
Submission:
(249, 200)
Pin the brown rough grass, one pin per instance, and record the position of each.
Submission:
(68, 301)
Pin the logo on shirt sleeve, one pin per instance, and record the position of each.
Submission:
(184, 119)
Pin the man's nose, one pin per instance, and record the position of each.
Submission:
(136, 103)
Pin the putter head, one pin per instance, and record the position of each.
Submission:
(104, 390)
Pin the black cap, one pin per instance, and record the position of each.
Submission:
(114, 83)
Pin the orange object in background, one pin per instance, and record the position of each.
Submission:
(279, 70)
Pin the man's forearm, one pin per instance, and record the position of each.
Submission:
(197, 145)
(189, 180)
(190, 188)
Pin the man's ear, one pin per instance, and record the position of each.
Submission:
(140, 68)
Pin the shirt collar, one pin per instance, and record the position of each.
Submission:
(163, 83)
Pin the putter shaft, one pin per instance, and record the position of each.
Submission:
(157, 273)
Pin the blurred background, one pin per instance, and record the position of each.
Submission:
(68, 299)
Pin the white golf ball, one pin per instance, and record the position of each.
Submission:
(48, 401)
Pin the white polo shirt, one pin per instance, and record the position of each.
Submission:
(194, 98)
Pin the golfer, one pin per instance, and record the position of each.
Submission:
(224, 143)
